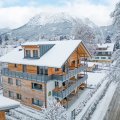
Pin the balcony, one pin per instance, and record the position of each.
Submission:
(43, 78)
(26, 76)
(63, 92)
(71, 73)
(102, 54)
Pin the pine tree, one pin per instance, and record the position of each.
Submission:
(116, 24)
(116, 16)
(6, 38)
(117, 45)
(0, 40)
(108, 39)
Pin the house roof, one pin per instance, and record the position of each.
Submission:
(109, 46)
(55, 57)
(6, 103)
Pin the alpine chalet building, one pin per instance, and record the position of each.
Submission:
(37, 71)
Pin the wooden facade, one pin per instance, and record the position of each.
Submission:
(25, 90)
(2, 115)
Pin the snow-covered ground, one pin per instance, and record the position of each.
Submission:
(104, 103)
(95, 77)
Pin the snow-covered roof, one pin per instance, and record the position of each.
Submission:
(6, 103)
(91, 64)
(55, 57)
(109, 46)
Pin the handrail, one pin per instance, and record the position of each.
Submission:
(27, 76)
(66, 92)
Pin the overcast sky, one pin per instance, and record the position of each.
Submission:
(15, 13)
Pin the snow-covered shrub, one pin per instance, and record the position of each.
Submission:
(54, 111)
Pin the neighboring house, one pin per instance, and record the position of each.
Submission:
(92, 66)
(39, 70)
(103, 53)
(5, 105)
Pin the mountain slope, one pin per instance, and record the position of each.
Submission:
(55, 27)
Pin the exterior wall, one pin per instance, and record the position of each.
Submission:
(30, 69)
(13, 68)
(25, 90)
(74, 57)
(50, 86)
(51, 71)
(2, 115)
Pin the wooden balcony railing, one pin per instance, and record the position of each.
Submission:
(43, 78)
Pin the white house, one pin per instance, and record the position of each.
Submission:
(103, 52)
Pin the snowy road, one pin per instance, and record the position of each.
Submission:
(102, 107)
(113, 112)
(92, 100)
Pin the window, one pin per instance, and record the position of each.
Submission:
(96, 57)
(109, 53)
(103, 53)
(49, 93)
(103, 57)
(99, 53)
(35, 53)
(10, 80)
(28, 53)
(15, 65)
(109, 57)
(56, 69)
(73, 62)
(36, 86)
(46, 71)
(18, 96)
(37, 102)
(18, 82)
(56, 83)
(11, 94)
(41, 71)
